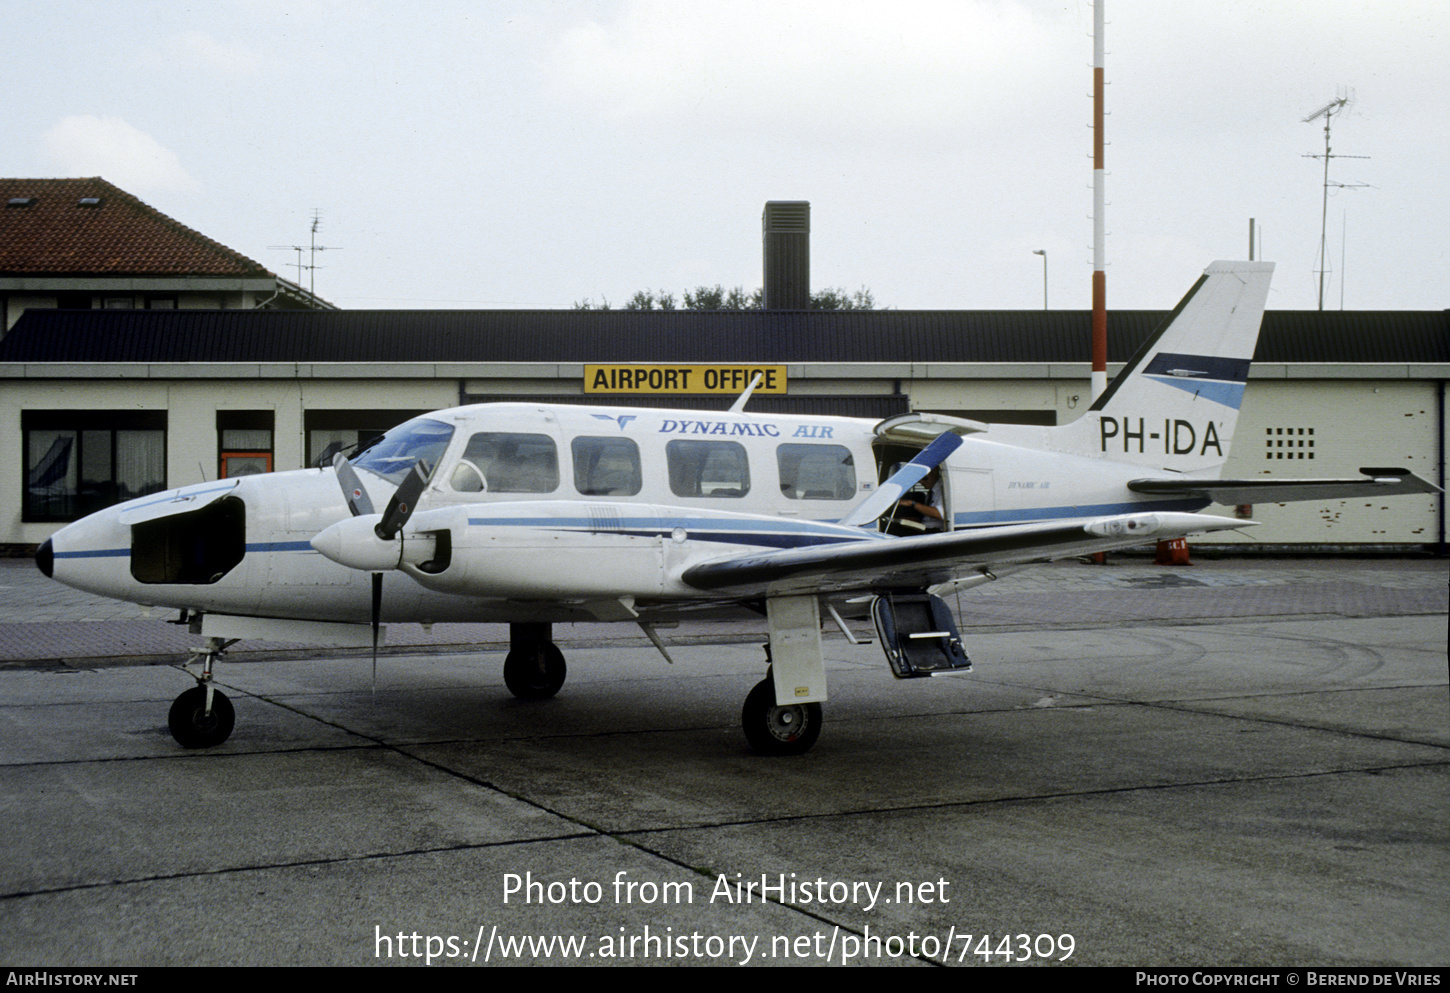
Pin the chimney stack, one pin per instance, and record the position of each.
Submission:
(786, 228)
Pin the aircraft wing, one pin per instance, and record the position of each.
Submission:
(1374, 483)
(928, 560)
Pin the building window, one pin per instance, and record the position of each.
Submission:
(1288, 443)
(244, 442)
(161, 303)
(333, 431)
(79, 462)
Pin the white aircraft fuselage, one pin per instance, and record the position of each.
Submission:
(564, 542)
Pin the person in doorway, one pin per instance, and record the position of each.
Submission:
(927, 512)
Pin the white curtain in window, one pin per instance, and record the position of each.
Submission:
(140, 462)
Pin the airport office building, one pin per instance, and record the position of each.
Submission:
(102, 405)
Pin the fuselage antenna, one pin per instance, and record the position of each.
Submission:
(739, 405)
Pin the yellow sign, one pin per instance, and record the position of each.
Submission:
(682, 378)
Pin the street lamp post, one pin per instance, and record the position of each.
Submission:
(1043, 253)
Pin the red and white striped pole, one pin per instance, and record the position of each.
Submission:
(1100, 277)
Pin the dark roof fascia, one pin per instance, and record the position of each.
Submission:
(572, 336)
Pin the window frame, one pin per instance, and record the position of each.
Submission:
(596, 446)
(86, 426)
(794, 477)
(497, 472)
(691, 474)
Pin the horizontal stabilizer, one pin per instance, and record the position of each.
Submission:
(1230, 492)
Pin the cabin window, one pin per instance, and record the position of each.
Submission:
(394, 454)
(707, 468)
(606, 466)
(507, 462)
(79, 462)
(816, 472)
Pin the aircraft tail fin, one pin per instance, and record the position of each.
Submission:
(1175, 404)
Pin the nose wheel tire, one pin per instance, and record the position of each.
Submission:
(535, 673)
(774, 730)
(193, 727)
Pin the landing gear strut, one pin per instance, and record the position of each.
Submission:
(534, 668)
(203, 716)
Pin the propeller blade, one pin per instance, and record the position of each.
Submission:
(357, 498)
(400, 507)
(377, 619)
(885, 498)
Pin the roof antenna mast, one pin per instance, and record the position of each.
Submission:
(1329, 112)
(312, 248)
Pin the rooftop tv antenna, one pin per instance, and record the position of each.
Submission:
(1329, 112)
(312, 248)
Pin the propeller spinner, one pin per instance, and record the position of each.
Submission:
(368, 541)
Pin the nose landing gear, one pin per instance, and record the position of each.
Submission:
(203, 716)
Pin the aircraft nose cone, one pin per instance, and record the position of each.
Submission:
(45, 559)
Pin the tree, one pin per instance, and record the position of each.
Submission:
(718, 298)
(839, 299)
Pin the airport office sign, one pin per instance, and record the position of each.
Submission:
(731, 379)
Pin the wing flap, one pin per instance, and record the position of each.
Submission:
(1375, 482)
(926, 560)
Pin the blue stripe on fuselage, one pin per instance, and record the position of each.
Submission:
(98, 553)
(771, 534)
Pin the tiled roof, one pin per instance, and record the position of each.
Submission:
(1030, 336)
(87, 227)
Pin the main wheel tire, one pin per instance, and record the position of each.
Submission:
(536, 673)
(774, 730)
(193, 727)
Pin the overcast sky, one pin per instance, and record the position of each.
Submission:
(533, 154)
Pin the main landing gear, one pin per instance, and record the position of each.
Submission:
(782, 715)
(203, 716)
(534, 668)
(776, 730)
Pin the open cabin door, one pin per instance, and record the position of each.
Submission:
(903, 436)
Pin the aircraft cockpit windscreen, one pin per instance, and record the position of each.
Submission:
(393, 454)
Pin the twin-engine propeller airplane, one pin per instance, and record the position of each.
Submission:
(536, 514)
